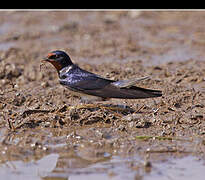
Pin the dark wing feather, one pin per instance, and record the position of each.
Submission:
(84, 81)
(133, 92)
(103, 88)
(92, 84)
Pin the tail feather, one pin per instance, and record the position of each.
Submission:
(126, 93)
(138, 92)
(135, 93)
(125, 89)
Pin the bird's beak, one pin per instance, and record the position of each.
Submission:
(46, 60)
(53, 62)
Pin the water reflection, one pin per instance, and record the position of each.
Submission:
(186, 168)
(29, 170)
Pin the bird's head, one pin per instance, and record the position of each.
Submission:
(59, 59)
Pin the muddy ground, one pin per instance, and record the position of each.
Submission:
(41, 122)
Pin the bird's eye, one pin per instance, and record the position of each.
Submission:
(52, 56)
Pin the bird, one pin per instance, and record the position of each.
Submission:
(92, 87)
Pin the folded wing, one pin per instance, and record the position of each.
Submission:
(97, 86)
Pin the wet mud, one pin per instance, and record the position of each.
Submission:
(46, 133)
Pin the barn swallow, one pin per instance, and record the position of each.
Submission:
(90, 86)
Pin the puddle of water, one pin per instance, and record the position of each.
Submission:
(30, 170)
(187, 168)
(6, 45)
(117, 168)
